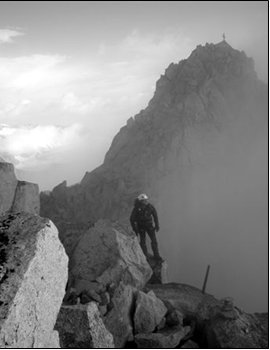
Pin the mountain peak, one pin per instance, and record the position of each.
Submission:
(212, 62)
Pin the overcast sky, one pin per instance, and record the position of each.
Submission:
(72, 73)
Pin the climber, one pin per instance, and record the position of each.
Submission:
(141, 220)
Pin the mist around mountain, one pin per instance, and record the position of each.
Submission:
(199, 150)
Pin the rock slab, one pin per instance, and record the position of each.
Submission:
(166, 339)
(8, 184)
(17, 196)
(149, 312)
(118, 318)
(81, 326)
(26, 198)
(33, 276)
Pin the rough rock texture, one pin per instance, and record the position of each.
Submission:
(218, 323)
(8, 184)
(26, 198)
(174, 317)
(230, 327)
(107, 254)
(70, 234)
(149, 312)
(118, 319)
(115, 305)
(32, 288)
(107, 266)
(81, 326)
(159, 270)
(187, 299)
(16, 196)
(167, 339)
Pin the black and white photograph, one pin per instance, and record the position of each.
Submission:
(134, 174)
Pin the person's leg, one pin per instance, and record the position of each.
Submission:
(143, 241)
(154, 244)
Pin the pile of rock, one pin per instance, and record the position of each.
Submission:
(108, 274)
(109, 301)
(108, 267)
(155, 326)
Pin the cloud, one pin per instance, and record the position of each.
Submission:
(31, 85)
(31, 146)
(7, 35)
(72, 103)
(56, 85)
(99, 93)
(29, 72)
(167, 46)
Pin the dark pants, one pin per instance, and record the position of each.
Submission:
(149, 229)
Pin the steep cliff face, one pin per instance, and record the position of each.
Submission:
(16, 196)
(199, 150)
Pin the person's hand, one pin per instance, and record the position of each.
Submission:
(157, 228)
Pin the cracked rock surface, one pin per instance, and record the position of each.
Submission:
(106, 254)
(33, 275)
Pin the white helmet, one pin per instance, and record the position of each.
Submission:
(142, 197)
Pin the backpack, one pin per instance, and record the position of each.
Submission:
(144, 213)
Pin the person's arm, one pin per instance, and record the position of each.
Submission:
(155, 216)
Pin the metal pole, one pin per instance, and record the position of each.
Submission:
(205, 279)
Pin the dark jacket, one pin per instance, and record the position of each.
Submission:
(143, 216)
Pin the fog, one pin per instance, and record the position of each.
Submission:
(213, 210)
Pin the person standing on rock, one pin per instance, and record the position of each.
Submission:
(144, 219)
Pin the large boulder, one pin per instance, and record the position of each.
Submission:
(149, 312)
(189, 300)
(107, 254)
(33, 277)
(81, 326)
